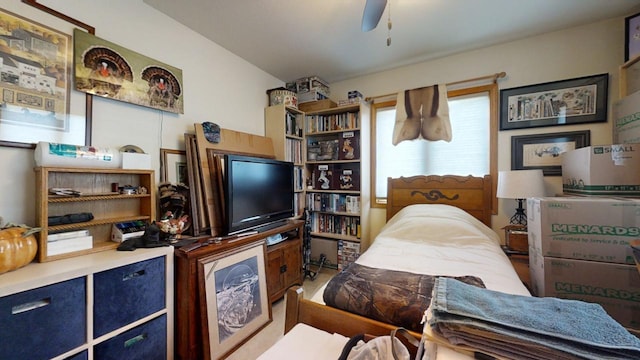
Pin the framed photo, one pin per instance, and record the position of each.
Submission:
(234, 296)
(565, 102)
(543, 151)
(37, 101)
(173, 165)
(631, 37)
(115, 72)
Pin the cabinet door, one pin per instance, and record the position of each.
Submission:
(44, 322)
(293, 263)
(274, 273)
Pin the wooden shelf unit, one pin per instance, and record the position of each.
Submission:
(328, 126)
(285, 126)
(107, 207)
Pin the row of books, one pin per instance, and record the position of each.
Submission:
(342, 121)
(70, 241)
(348, 252)
(335, 224)
(293, 151)
(293, 123)
(333, 203)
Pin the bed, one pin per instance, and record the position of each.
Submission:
(436, 225)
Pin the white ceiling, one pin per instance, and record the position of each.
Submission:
(290, 39)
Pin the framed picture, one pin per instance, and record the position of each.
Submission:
(234, 296)
(543, 151)
(37, 101)
(631, 37)
(173, 166)
(565, 102)
(115, 72)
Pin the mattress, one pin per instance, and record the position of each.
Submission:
(437, 239)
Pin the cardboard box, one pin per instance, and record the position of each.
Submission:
(612, 170)
(136, 161)
(614, 286)
(317, 105)
(626, 123)
(596, 229)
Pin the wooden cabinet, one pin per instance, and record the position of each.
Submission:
(189, 321)
(284, 267)
(285, 126)
(89, 306)
(520, 262)
(96, 197)
(337, 168)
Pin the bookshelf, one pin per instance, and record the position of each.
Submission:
(337, 191)
(285, 126)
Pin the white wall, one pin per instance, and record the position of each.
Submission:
(218, 86)
(586, 50)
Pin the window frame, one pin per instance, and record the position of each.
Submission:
(492, 90)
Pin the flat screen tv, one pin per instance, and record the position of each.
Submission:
(257, 191)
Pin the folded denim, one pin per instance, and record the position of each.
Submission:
(536, 328)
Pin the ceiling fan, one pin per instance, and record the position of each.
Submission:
(373, 10)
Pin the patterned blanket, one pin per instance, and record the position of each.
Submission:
(394, 297)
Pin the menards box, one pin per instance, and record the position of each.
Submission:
(585, 228)
(612, 170)
(626, 122)
(616, 287)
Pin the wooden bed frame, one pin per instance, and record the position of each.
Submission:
(472, 194)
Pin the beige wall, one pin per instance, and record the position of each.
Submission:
(218, 86)
(586, 50)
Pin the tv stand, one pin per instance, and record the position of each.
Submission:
(283, 270)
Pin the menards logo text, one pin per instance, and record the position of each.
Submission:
(588, 229)
(581, 289)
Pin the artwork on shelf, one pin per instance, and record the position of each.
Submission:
(565, 102)
(632, 37)
(543, 151)
(235, 301)
(109, 70)
(37, 101)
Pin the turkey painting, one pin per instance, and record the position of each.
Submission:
(108, 70)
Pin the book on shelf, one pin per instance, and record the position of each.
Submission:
(349, 146)
(67, 245)
(348, 252)
(322, 177)
(346, 179)
(66, 235)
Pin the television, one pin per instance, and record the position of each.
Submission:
(257, 192)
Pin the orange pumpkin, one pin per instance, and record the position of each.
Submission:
(16, 251)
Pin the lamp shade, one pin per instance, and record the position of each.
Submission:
(520, 184)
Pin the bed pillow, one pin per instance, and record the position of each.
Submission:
(394, 297)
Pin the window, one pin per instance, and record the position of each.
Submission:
(473, 118)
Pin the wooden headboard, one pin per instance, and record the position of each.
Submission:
(472, 194)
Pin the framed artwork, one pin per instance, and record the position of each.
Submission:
(565, 102)
(233, 291)
(35, 82)
(112, 71)
(543, 151)
(173, 165)
(631, 37)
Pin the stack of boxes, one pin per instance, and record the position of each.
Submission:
(579, 243)
(312, 93)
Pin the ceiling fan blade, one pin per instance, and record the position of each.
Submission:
(373, 10)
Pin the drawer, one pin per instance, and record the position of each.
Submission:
(43, 322)
(128, 293)
(145, 342)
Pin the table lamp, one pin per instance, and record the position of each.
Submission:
(519, 185)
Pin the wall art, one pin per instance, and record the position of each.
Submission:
(565, 102)
(543, 151)
(112, 71)
(35, 81)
